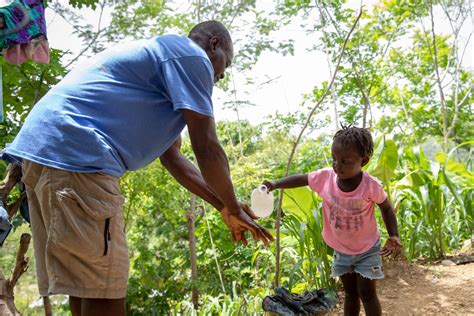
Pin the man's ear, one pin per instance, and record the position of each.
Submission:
(214, 42)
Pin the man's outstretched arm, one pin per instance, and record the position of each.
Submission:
(188, 175)
(211, 158)
(214, 168)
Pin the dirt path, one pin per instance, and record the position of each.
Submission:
(411, 289)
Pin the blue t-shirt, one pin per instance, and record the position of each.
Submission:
(119, 110)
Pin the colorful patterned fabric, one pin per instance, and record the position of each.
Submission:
(15, 15)
(37, 50)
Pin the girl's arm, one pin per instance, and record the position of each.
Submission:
(393, 244)
(287, 183)
(389, 218)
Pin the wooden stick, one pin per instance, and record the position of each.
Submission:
(21, 264)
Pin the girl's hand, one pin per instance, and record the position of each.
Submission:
(392, 246)
(270, 185)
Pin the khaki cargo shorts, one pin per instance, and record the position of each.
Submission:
(78, 232)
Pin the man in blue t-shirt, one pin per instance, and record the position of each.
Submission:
(119, 111)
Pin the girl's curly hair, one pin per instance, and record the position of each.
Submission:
(358, 137)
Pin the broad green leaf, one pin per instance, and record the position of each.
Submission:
(256, 291)
(413, 179)
(384, 161)
(299, 201)
(453, 189)
(422, 161)
(299, 288)
(458, 168)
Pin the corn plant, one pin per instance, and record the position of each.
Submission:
(436, 204)
(459, 178)
(383, 163)
(303, 223)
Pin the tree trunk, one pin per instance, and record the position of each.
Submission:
(7, 299)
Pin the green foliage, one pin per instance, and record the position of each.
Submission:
(303, 222)
(384, 161)
(432, 214)
(84, 3)
(23, 85)
(388, 69)
(239, 138)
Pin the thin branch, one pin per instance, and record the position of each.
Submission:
(199, 11)
(13, 208)
(280, 199)
(459, 63)
(38, 89)
(21, 264)
(328, 60)
(456, 95)
(456, 110)
(190, 217)
(438, 79)
(236, 13)
(356, 72)
(405, 111)
(365, 91)
(214, 250)
(268, 81)
(93, 40)
(456, 28)
(236, 110)
(466, 96)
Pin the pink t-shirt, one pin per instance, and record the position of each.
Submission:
(349, 220)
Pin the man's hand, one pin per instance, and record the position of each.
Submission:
(393, 246)
(239, 223)
(248, 210)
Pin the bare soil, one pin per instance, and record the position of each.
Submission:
(419, 289)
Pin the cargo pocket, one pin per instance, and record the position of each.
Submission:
(98, 208)
(83, 225)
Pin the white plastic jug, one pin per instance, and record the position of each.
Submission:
(262, 201)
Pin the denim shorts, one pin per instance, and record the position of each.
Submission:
(367, 264)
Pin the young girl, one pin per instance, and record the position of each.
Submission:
(349, 195)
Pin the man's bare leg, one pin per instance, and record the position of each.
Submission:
(96, 306)
(75, 305)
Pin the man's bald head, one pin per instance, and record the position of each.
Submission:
(203, 31)
(214, 38)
